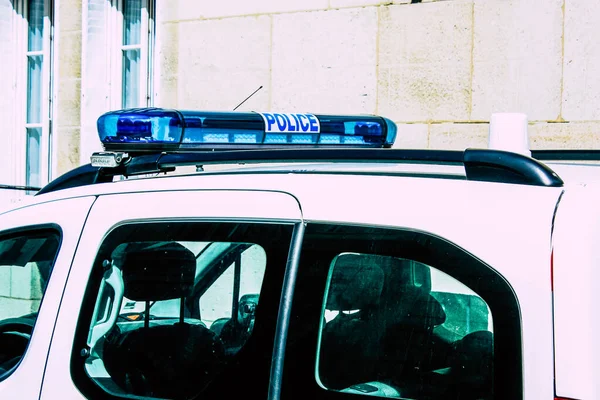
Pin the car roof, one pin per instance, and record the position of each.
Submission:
(236, 175)
(285, 177)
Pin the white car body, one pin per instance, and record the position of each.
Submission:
(543, 241)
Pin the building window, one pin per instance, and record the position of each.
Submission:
(38, 91)
(132, 64)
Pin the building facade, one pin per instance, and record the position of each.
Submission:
(439, 68)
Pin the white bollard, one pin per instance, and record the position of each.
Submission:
(508, 131)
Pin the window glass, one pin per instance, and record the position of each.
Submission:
(394, 327)
(26, 261)
(216, 301)
(34, 88)
(132, 17)
(131, 78)
(170, 315)
(137, 338)
(465, 311)
(33, 167)
(131, 48)
(36, 58)
(35, 36)
(390, 312)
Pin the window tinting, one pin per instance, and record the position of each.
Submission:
(398, 328)
(397, 313)
(175, 310)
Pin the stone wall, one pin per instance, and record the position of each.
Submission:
(20, 290)
(67, 73)
(437, 68)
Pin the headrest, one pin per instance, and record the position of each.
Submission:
(481, 342)
(474, 360)
(155, 271)
(247, 307)
(417, 308)
(356, 283)
(248, 303)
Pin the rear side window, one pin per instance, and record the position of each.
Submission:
(401, 314)
(26, 261)
(405, 330)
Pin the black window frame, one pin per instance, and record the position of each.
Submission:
(273, 236)
(323, 241)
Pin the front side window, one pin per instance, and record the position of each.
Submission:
(26, 260)
(176, 307)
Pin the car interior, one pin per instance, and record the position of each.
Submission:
(176, 355)
(392, 336)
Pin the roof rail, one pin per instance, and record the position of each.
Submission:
(507, 167)
(480, 164)
(566, 155)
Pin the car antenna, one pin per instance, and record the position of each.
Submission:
(246, 99)
(18, 187)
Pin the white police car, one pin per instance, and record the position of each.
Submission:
(336, 268)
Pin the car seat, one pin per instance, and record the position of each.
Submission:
(236, 331)
(350, 341)
(408, 344)
(172, 360)
(472, 366)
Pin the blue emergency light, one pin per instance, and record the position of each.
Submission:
(157, 129)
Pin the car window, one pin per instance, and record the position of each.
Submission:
(394, 327)
(26, 261)
(465, 311)
(171, 314)
(215, 303)
(402, 314)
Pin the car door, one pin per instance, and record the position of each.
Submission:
(37, 244)
(174, 295)
(423, 289)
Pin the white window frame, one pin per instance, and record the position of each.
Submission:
(20, 144)
(115, 38)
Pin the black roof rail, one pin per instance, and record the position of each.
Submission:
(480, 164)
(566, 155)
(507, 167)
(81, 176)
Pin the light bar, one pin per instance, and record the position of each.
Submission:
(156, 129)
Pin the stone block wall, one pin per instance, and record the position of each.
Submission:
(438, 68)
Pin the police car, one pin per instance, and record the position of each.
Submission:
(282, 256)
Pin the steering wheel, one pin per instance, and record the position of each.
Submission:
(20, 325)
(15, 334)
